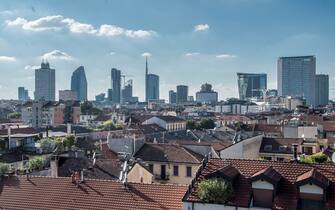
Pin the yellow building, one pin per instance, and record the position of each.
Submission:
(169, 163)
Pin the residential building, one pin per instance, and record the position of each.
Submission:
(322, 89)
(172, 97)
(251, 85)
(45, 82)
(23, 94)
(207, 95)
(170, 163)
(258, 184)
(116, 85)
(182, 93)
(79, 83)
(296, 77)
(170, 123)
(67, 95)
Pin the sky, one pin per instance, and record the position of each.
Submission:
(189, 42)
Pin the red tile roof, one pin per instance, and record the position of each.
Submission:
(19, 131)
(61, 193)
(313, 176)
(286, 192)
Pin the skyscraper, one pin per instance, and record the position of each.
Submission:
(127, 92)
(251, 85)
(153, 87)
(296, 77)
(172, 97)
(182, 93)
(116, 85)
(79, 83)
(23, 94)
(322, 89)
(45, 82)
(151, 84)
(206, 94)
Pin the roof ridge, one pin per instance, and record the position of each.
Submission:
(190, 154)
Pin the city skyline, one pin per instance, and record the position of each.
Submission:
(209, 44)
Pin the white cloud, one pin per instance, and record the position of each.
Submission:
(146, 54)
(31, 67)
(223, 56)
(58, 22)
(7, 12)
(57, 55)
(191, 54)
(112, 53)
(201, 27)
(7, 59)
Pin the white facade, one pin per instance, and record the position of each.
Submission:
(245, 149)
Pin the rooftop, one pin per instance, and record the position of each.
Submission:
(18, 192)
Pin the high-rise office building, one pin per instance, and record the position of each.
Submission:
(151, 84)
(322, 89)
(172, 97)
(127, 92)
(182, 93)
(116, 85)
(296, 77)
(45, 82)
(23, 94)
(251, 85)
(153, 87)
(206, 94)
(79, 83)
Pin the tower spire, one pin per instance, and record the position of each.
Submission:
(146, 78)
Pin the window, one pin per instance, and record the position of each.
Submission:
(282, 148)
(175, 170)
(268, 148)
(151, 168)
(188, 171)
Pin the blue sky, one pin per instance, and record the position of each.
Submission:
(190, 42)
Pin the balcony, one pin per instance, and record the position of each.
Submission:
(162, 176)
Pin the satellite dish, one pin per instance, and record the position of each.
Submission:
(333, 157)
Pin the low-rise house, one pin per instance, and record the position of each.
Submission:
(18, 138)
(31, 192)
(169, 163)
(265, 185)
(169, 123)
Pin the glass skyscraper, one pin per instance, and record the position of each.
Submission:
(116, 85)
(79, 83)
(45, 82)
(153, 87)
(182, 93)
(296, 77)
(251, 85)
(322, 89)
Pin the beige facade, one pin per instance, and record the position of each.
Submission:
(140, 174)
(170, 177)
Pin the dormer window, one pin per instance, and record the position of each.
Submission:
(282, 148)
(264, 184)
(312, 187)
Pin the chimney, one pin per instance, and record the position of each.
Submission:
(68, 128)
(9, 136)
(295, 152)
(54, 166)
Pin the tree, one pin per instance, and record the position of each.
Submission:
(207, 124)
(4, 169)
(191, 124)
(215, 190)
(68, 141)
(47, 144)
(315, 158)
(14, 115)
(37, 163)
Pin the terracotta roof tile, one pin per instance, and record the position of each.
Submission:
(286, 192)
(61, 193)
